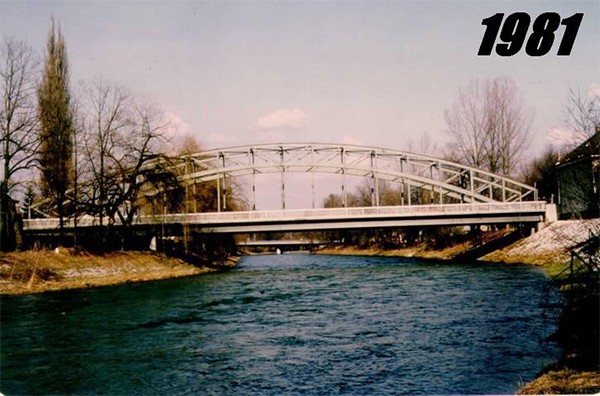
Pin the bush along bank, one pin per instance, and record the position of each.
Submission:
(437, 243)
(578, 335)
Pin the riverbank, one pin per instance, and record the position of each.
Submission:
(547, 248)
(418, 251)
(47, 270)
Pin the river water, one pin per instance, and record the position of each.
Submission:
(288, 324)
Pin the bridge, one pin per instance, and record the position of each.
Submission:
(281, 245)
(456, 194)
(330, 219)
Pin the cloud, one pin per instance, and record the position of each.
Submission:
(284, 118)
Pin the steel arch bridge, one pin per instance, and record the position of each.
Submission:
(447, 181)
(459, 194)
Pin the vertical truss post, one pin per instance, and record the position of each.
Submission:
(251, 158)
(372, 186)
(186, 195)
(195, 189)
(439, 171)
(282, 177)
(219, 192)
(219, 182)
(408, 188)
(432, 186)
(471, 184)
(312, 176)
(372, 189)
(402, 183)
(344, 194)
(374, 180)
(224, 186)
(503, 190)
(185, 225)
(463, 185)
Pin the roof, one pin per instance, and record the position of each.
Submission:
(588, 149)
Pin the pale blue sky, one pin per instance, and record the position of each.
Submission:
(375, 73)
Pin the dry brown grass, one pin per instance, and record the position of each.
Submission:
(40, 271)
(563, 382)
(420, 251)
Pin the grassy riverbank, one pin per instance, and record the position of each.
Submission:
(47, 270)
(418, 251)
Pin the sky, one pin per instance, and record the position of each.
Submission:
(376, 73)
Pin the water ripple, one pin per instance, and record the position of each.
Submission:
(289, 324)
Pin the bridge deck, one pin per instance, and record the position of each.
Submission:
(280, 242)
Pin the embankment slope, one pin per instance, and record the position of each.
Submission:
(47, 270)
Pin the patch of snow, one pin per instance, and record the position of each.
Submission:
(557, 237)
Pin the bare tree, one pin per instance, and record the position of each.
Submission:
(490, 125)
(18, 122)
(121, 136)
(424, 145)
(466, 122)
(106, 119)
(582, 113)
(541, 173)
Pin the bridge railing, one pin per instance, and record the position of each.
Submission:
(354, 212)
(307, 214)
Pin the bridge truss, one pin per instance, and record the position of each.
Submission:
(458, 194)
(447, 182)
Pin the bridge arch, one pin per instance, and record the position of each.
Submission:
(448, 181)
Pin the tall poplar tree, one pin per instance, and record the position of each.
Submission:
(56, 124)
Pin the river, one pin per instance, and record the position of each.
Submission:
(287, 324)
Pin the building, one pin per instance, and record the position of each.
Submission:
(579, 181)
